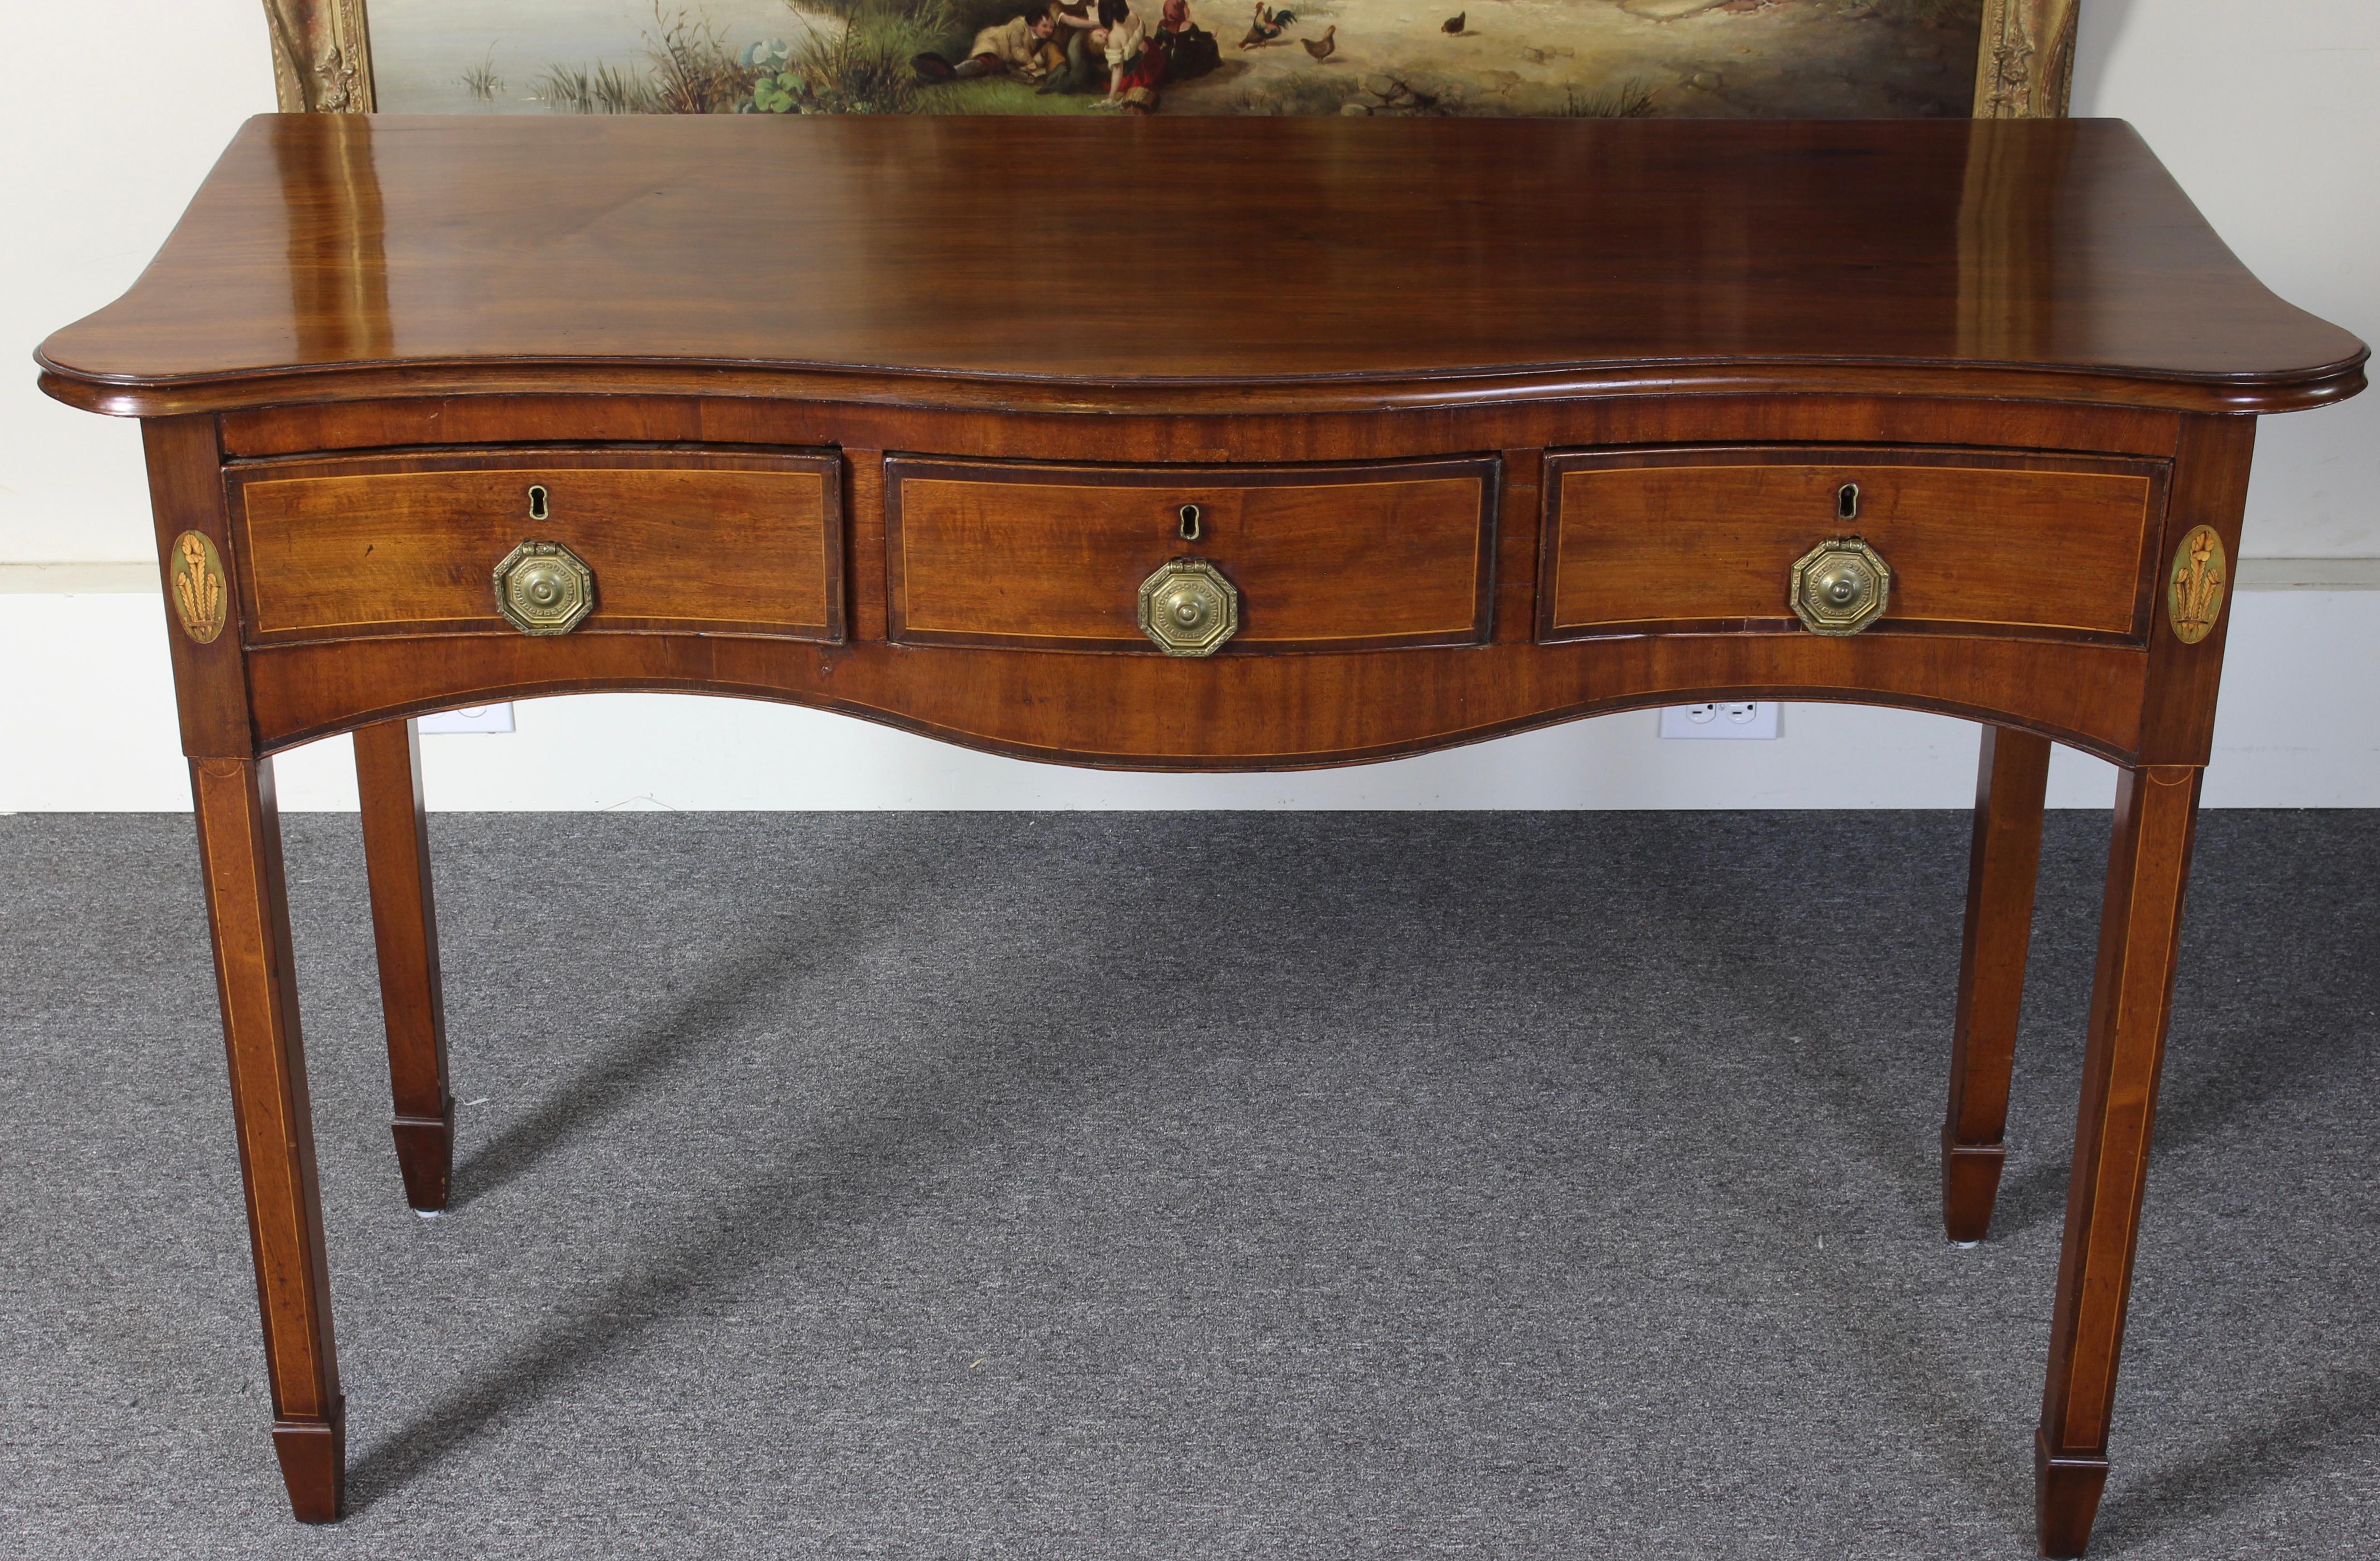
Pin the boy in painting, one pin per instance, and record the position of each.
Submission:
(1078, 40)
(1014, 45)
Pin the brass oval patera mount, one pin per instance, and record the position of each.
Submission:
(1839, 587)
(202, 600)
(1188, 608)
(2194, 591)
(543, 588)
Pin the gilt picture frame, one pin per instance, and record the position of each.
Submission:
(1349, 56)
(2024, 63)
(322, 56)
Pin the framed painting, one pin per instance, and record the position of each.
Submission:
(1593, 58)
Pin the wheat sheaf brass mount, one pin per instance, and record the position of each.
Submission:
(1187, 608)
(2194, 590)
(1840, 586)
(202, 599)
(543, 588)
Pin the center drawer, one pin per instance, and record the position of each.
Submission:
(1055, 557)
(674, 540)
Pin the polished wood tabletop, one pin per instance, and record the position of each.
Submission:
(1195, 262)
(1203, 444)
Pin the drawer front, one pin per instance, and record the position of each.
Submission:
(1052, 557)
(1704, 541)
(676, 540)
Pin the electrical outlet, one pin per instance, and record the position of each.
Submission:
(1721, 721)
(477, 718)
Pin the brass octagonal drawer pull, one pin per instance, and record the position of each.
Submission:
(1841, 587)
(1188, 608)
(543, 588)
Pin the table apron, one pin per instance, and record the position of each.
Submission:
(1229, 713)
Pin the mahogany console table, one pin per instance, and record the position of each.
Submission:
(1201, 444)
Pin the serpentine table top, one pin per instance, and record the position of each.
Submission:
(1192, 264)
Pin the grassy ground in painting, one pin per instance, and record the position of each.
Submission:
(1671, 59)
(1683, 58)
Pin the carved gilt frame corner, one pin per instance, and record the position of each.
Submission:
(2024, 62)
(322, 56)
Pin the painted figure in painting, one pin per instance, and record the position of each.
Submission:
(1068, 48)
(1601, 58)
(1023, 46)
(1076, 25)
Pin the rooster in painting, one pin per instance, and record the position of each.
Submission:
(1452, 26)
(1320, 47)
(1267, 25)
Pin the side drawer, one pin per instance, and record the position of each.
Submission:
(1704, 539)
(1052, 557)
(677, 541)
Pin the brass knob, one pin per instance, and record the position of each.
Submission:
(1839, 587)
(1188, 608)
(543, 588)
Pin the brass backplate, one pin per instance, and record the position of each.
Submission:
(1187, 608)
(1839, 587)
(543, 588)
(202, 600)
(2193, 595)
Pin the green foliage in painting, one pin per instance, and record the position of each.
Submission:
(481, 80)
(1629, 100)
(1604, 59)
(603, 89)
(862, 66)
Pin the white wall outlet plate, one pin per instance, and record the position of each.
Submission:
(1721, 721)
(477, 718)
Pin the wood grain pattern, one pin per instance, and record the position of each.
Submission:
(740, 543)
(186, 494)
(1519, 538)
(912, 260)
(1244, 436)
(1978, 542)
(405, 939)
(864, 541)
(2132, 998)
(240, 856)
(1324, 558)
(2012, 786)
(1226, 713)
(2210, 489)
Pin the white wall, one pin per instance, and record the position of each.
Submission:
(109, 117)
(2263, 108)
(2268, 110)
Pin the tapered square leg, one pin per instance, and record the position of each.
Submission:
(405, 932)
(2012, 785)
(247, 913)
(2140, 931)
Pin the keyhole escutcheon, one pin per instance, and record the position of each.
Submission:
(1190, 522)
(537, 502)
(1847, 502)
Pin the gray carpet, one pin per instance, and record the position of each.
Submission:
(1242, 1185)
